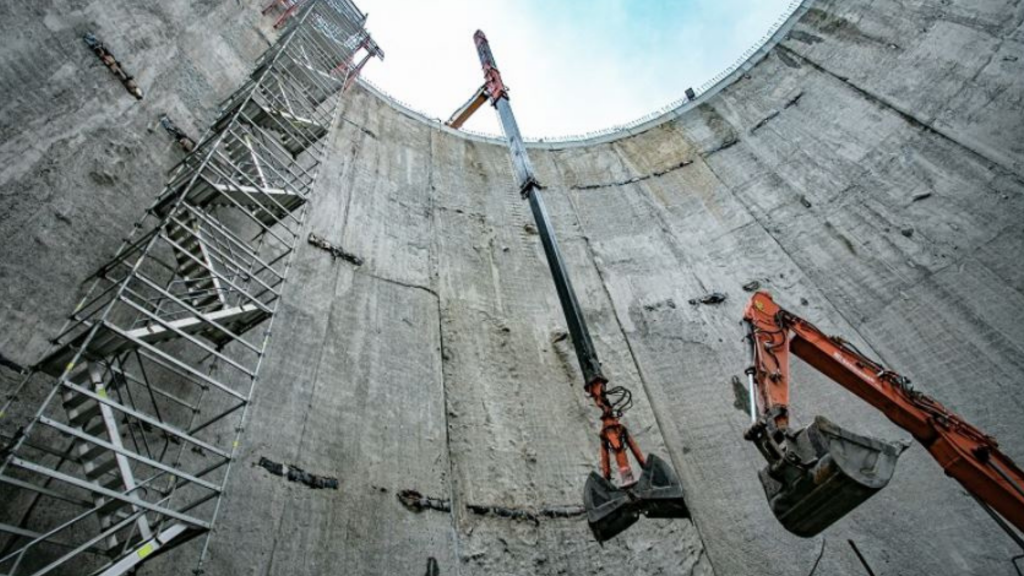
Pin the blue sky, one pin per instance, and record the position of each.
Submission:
(573, 66)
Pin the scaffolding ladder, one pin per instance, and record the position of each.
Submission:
(148, 384)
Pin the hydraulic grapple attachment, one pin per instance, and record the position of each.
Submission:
(823, 473)
(611, 509)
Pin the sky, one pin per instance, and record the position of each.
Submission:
(572, 66)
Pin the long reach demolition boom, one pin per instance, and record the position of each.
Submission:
(817, 474)
(611, 508)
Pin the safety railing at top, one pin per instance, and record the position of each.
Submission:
(793, 11)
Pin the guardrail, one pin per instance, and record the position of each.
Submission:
(746, 61)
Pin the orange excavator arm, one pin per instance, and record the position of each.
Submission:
(460, 116)
(817, 474)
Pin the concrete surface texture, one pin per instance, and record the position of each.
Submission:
(869, 172)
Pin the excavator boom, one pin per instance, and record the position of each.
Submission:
(657, 492)
(817, 474)
(460, 116)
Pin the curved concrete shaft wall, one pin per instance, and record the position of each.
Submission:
(868, 172)
(80, 157)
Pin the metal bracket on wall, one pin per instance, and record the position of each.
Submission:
(116, 68)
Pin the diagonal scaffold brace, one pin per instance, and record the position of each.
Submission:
(611, 508)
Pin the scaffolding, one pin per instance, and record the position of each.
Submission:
(148, 384)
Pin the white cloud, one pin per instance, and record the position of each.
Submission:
(573, 66)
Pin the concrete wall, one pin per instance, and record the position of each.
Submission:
(868, 172)
(80, 158)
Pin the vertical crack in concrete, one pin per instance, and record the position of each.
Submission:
(453, 496)
(305, 419)
(452, 492)
(319, 357)
(334, 289)
(629, 347)
(353, 167)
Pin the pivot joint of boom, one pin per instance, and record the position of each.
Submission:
(492, 89)
(493, 84)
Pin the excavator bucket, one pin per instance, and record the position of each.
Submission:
(610, 509)
(841, 470)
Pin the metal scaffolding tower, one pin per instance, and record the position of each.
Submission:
(149, 381)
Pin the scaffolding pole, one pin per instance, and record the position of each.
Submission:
(148, 383)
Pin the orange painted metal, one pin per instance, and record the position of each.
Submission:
(468, 109)
(493, 88)
(493, 84)
(615, 437)
(965, 453)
